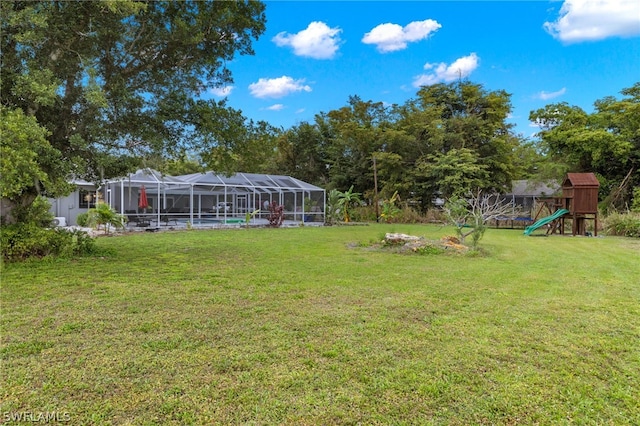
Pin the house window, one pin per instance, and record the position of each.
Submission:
(87, 199)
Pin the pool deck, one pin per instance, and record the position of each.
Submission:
(206, 223)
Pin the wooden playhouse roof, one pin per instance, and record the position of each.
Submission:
(581, 180)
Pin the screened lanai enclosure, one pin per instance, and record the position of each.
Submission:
(211, 198)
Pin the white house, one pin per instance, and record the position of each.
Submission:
(66, 209)
(195, 197)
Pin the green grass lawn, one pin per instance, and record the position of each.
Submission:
(312, 326)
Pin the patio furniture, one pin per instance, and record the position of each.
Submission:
(132, 217)
(166, 215)
(166, 219)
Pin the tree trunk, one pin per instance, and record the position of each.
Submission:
(7, 207)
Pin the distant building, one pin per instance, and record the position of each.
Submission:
(66, 209)
(525, 193)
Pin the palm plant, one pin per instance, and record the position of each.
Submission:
(333, 207)
(347, 200)
(389, 208)
(104, 215)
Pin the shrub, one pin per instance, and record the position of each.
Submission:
(347, 201)
(333, 209)
(429, 249)
(37, 212)
(623, 224)
(405, 214)
(435, 215)
(389, 209)
(104, 215)
(26, 240)
(83, 219)
(363, 214)
(83, 243)
(635, 204)
(408, 214)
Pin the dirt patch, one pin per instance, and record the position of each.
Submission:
(403, 243)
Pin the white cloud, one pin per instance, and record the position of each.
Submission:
(300, 111)
(461, 68)
(275, 107)
(550, 95)
(277, 87)
(317, 41)
(391, 37)
(589, 20)
(221, 92)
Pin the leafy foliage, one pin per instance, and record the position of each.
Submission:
(21, 241)
(623, 224)
(26, 157)
(635, 205)
(356, 132)
(276, 214)
(347, 200)
(104, 215)
(114, 82)
(333, 206)
(31, 236)
(389, 208)
(301, 152)
(456, 172)
(452, 137)
(461, 123)
(36, 213)
(83, 219)
(606, 142)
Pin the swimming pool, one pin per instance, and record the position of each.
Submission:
(208, 221)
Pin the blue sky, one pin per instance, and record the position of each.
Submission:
(315, 54)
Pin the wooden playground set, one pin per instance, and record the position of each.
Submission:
(578, 204)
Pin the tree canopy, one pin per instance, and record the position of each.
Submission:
(109, 82)
(450, 138)
(606, 142)
(455, 138)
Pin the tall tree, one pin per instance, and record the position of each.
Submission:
(462, 138)
(118, 78)
(357, 133)
(228, 142)
(454, 173)
(450, 134)
(25, 154)
(302, 154)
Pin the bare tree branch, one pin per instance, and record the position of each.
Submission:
(470, 215)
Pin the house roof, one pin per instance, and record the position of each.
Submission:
(581, 180)
(150, 176)
(250, 181)
(81, 183)
(533, 188)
